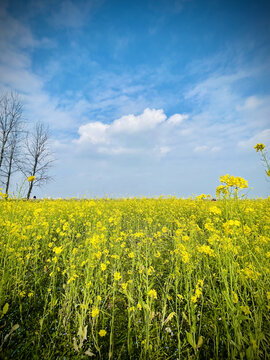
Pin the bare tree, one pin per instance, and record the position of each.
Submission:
(11, 159)
(11, 130)
(10, 119)
(38, 157)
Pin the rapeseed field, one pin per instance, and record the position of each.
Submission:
(139, 278)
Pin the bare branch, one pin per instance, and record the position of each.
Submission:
(38, 157)
(11, 130)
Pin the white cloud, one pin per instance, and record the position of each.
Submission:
(200, 149)
(148, 120)
(164, 150)
(130, 133)
(205, 148)
(95, 133)
(118, 150)
(215, 149)
(251, 103)
(177, 119)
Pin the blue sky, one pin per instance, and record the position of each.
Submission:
(143, 98)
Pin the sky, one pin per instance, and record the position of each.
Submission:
(142, 98)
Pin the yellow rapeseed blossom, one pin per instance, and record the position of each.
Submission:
(198, 291)
(259, 147)
(102, 333)
(152, 294)
(94, 312)
(245, 309)
(215, 210)
(205, 249)
(235, 298)
(58, 250)
(124, 286)
(69, 247)
(103, 266)
(117, 276)
(31, 178)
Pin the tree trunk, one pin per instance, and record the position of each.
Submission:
(9, 175)
(2, 155)
(30, 190)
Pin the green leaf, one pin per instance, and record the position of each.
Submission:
(200, 342)
(89, 352)
(249, 353)
(75, 344)
(14, 327)
(5, 309)
(191, 340)
(169, 318)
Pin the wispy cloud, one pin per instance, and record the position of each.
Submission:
(260, 137)
(71, 14)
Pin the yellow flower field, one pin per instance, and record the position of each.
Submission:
(145, 278)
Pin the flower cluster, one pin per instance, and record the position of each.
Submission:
(198, 291)
(259, 147)
(230, 184)
(232, 181)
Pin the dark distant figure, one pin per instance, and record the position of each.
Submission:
(214, 200)
(34, 197)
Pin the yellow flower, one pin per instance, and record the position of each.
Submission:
(95, 312)
(57, 250)
(31, 178)
(117, 276)
(70, 279)
(259, 147)
(124, 286)
(131, 255)
(235, 297)
(268, 172)
(98, 254)
(245, 309)
(205, 249)
(103, 267)
(198, 291)
(152, 294)
(102, 333)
